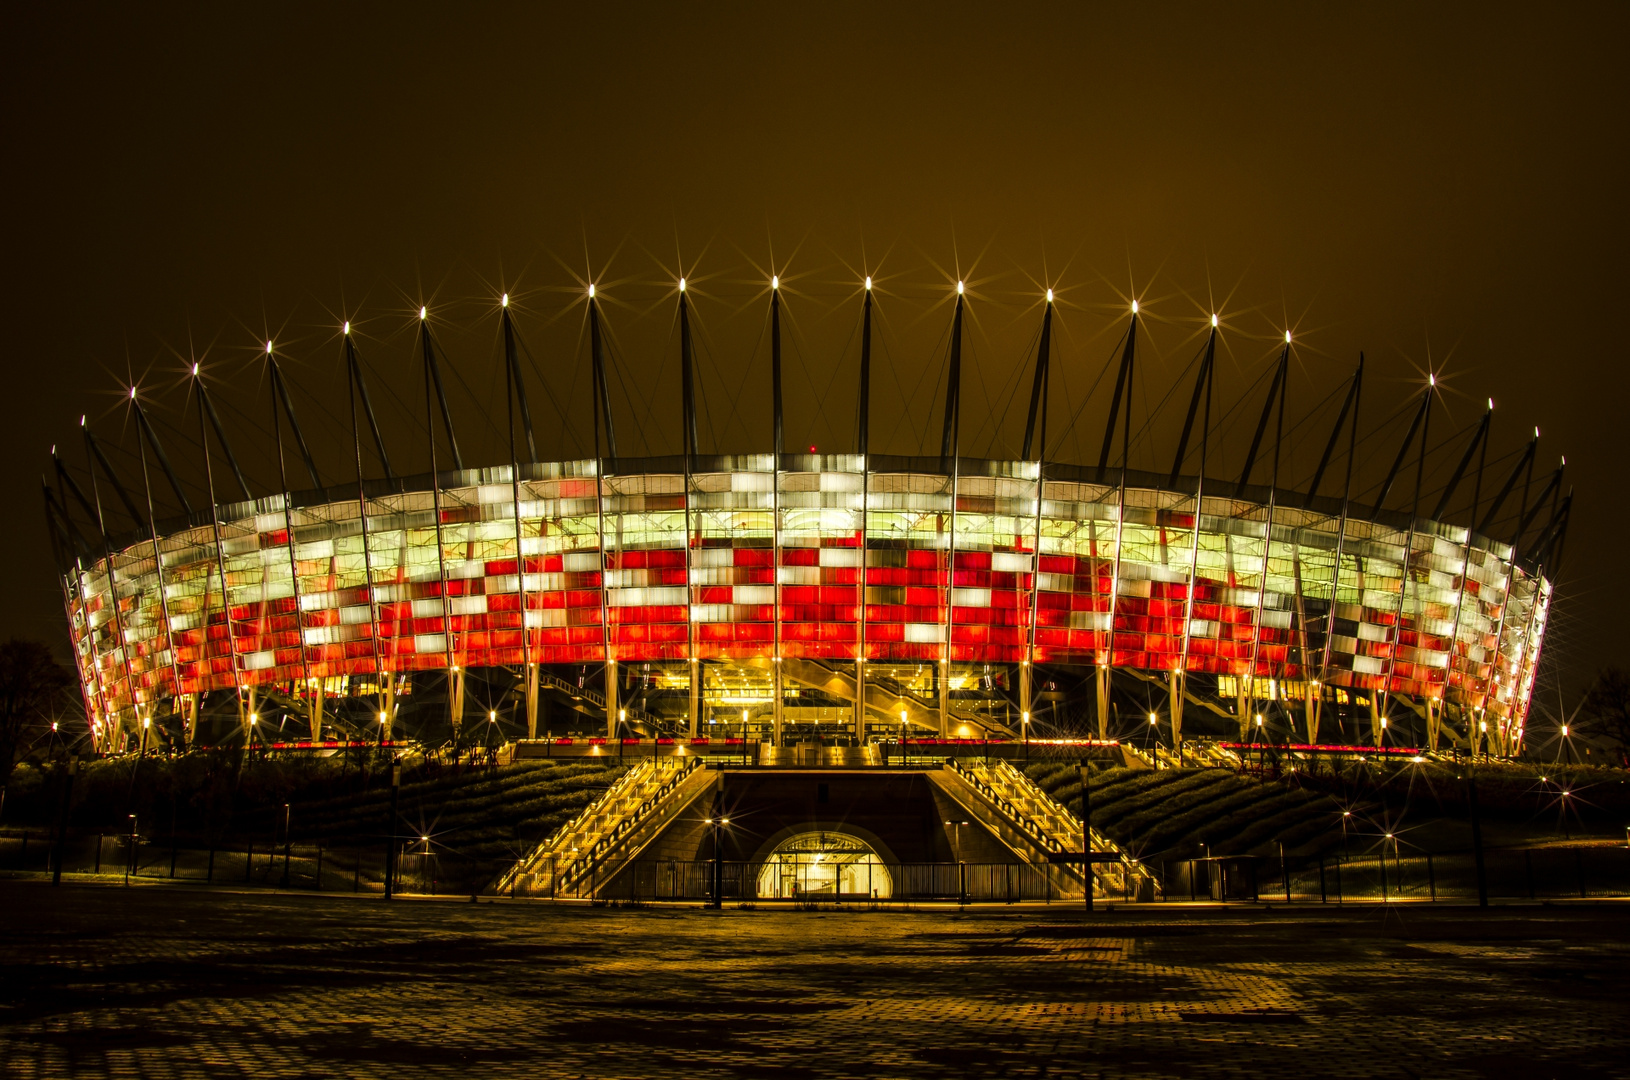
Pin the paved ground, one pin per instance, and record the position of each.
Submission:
(159, 982)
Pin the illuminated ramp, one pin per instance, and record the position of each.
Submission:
(611, 831)
(1035, 826)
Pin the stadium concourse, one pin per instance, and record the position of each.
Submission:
(786, 598)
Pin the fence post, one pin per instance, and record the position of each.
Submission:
(1284, 870)
(1324, 896)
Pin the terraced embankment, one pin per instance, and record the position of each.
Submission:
(1175, 811)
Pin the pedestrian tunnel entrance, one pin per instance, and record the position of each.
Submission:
(824, 866)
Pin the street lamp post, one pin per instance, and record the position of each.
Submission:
(1081, 772)
(956, 854)
(717, 900)
(130, 853)
(390, 843)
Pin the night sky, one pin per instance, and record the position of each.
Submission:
(1442, 189)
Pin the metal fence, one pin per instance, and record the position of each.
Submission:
(1385, 873)
(1389, 873)
(651, 879)
(315, 867)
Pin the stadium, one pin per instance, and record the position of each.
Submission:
(793, 609)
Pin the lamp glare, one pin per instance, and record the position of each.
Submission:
(868, 284)
(1049, 296)
(1213, 322)
(775, 281)
(1134, 307)
(959, 288)
(591, 290)
(681, 284)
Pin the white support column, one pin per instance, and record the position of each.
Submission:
(778, 690)
(695, 695)
(860, 652)
(457, 702)
(1175, 691)
(1248, 683)
(532, 701)
(1396, 634)
(1308, 678)
(1106, 663)
(860, 701)
(1024, 693)
(944, 671)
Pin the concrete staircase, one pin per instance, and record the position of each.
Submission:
(613, 829)
(1010, 804)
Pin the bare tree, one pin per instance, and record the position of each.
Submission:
(33, 691)
(1607, 708)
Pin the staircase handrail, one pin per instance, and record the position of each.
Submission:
(594, 697)
(1015, 816)
(597, 853)
(1015, 776)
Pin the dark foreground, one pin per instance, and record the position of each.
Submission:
(98, 980)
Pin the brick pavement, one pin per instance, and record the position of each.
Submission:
(177, 982)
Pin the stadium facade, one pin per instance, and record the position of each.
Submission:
(860, 593)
